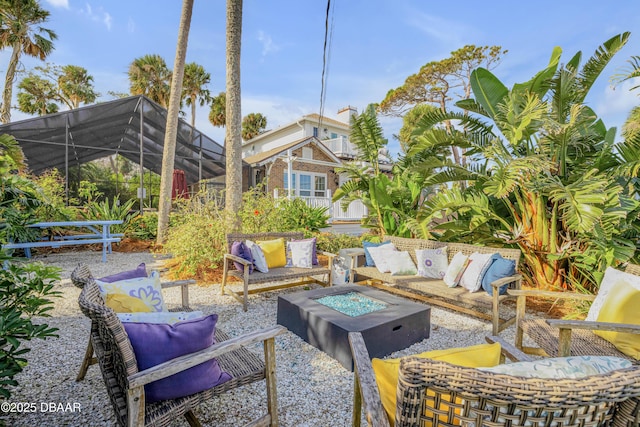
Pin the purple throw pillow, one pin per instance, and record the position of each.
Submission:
(139, 271)
(155, 343)
(243, 251)
(314, 254)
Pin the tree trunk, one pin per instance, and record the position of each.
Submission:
(171, 131)
(233, 138)
(7, 94)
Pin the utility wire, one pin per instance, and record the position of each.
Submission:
(326, 59)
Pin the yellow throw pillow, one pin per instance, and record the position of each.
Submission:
(122, 303)
(621, 306)
(386, 371)
(274, 252)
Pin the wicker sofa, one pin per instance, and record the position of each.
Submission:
(303, 275)
(436, 292)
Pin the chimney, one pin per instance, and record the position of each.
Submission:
(344, 114)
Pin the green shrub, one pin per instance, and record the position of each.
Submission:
(331, 242)
(25, 292)
(296, 215)
(143, 227)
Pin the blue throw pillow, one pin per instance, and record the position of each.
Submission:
(367, 256)
(155, 343)
(139, 271)
(498, 269)
(242, 250)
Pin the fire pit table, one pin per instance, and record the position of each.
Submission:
(324, 317)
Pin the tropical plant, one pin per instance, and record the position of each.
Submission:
(37, 95)
(20, 30)
(194, 88)
(105, 211)
(297, 215)
(149, 76)
(544, 174)
(390, 201)
(218, 113)
(333, 242)
(233, 136)
(171, 134)
(143, 227)
(75, 86)
(26, 290)
(253, 124)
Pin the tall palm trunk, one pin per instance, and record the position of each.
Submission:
(7, 94)
(171, 131)
(233, 138)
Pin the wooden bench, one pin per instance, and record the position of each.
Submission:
(305, 275)
(100, 234)
(436, 292)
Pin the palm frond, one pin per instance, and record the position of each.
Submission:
(594, 66)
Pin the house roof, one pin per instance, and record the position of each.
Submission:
(120, 127)
(266, 156)
(314, 117)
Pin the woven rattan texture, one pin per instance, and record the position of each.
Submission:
(117, 362)
(440, 394)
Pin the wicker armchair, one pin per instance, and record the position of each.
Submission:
(125, 384)
(303, 276)
(439, 394)
(81, 275)
(557, 337)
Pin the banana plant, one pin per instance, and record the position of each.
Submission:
(544, 174)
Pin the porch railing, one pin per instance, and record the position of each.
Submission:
(355, 212)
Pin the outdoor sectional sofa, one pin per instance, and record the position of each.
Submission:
(435, 291)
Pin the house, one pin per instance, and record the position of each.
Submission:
(304, 152)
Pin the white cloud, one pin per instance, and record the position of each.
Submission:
(98, 16)
(59, 3)
(268, 46)
(621, 99)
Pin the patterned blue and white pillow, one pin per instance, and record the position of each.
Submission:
(432, 263)
(300, 254)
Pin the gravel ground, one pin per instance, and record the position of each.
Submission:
(313, 389)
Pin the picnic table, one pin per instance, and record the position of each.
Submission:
(94, 232)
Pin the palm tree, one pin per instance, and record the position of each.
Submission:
(76, 86)
(253, 124)
(233, 138)
(194, 89)
(20, 30)
(544, 174)
(150, 76)
(37, 95)
(171, 133)
(218, 113)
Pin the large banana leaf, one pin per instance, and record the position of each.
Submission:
(488, 90)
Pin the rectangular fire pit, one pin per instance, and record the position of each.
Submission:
(324, 317)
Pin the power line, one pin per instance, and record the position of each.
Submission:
(326, 59)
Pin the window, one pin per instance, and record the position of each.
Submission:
(315, 131)
(305, 186)
(334, 135)
(320, 186)
(309, 184)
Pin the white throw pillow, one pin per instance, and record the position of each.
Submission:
(611, 277)
(455, 269)
(472, 277)
(401, 264)
(381, 254)
(562, 367)
(432, 263)
(259, 260)
(300, 254)
(169, 317)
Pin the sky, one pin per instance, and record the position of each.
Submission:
(374, 46)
